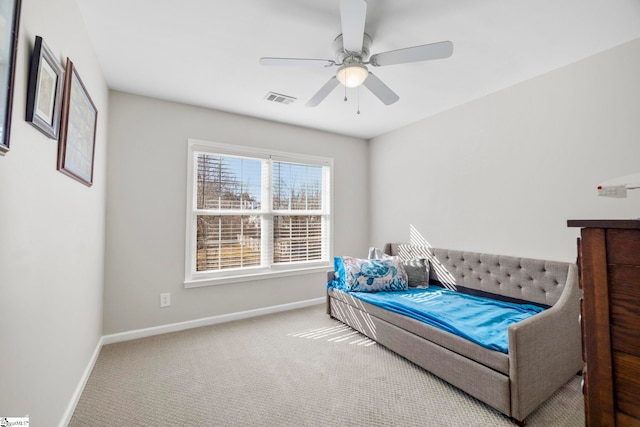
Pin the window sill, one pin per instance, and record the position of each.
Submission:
(199, 283)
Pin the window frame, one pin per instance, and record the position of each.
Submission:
(195, 278)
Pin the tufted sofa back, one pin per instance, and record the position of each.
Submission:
(534, 280)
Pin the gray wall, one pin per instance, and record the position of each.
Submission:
(146, 210)
(503, 173)
(51, 237)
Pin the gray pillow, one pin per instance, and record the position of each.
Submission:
(418, 272)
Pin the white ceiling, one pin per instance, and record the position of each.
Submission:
(205, 52)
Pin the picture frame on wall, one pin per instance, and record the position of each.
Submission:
(9, 26)
(76, 143)
(44, 93)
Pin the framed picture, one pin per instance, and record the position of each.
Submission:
(44, 93)
(9, 24)
(76, 145)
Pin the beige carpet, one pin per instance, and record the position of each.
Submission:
(297, 368)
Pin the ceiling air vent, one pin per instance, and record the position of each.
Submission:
(279, 98)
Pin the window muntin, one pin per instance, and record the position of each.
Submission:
(253, 212)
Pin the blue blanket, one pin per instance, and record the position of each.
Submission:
(482, 320)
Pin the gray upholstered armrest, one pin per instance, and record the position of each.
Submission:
(330, 275)
(545, 350)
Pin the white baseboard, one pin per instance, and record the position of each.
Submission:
(173, 327)
(181, 326)
(75, 398)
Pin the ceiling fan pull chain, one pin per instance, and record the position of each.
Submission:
(358, 94)
(345, 94)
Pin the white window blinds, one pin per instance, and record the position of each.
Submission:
(255, 212)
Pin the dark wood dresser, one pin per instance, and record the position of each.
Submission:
(609, 261)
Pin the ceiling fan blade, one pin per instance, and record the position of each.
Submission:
(423, 52)
(353, 14)
(297, 62)
(323, 92)
(381, 90)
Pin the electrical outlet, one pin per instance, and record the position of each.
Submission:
(165, 300)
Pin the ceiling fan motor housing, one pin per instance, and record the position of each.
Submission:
(343, 56)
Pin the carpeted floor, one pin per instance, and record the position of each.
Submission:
(297, 368)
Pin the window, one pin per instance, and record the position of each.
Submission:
(255, 213)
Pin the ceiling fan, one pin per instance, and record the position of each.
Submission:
(352, 57)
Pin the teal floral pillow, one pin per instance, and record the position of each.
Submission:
(370, 275)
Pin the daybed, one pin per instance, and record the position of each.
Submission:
(544, 350)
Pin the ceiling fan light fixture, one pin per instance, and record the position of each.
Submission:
(352, 75)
